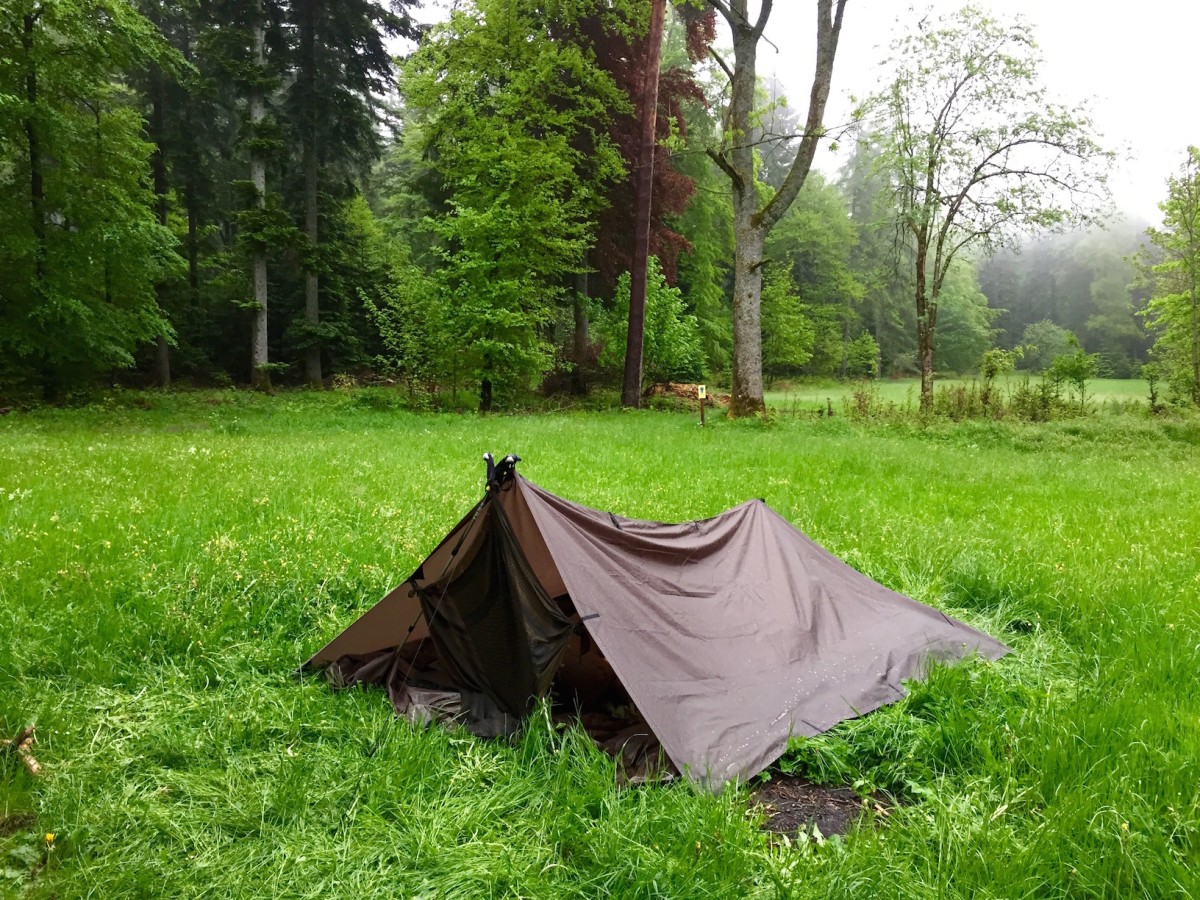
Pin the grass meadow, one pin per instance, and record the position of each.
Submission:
(1103, 394)
(164, 569)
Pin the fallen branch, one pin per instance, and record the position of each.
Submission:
(20, 745)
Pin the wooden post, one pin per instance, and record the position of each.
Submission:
(702, 393)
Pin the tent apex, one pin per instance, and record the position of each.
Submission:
(498, 473)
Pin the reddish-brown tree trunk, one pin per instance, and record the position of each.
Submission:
(631, 391)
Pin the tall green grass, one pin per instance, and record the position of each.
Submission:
(163, 570)
(1103, 394)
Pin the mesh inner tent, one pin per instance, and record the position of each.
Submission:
(493, 624)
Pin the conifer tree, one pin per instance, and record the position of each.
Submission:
(341, 72)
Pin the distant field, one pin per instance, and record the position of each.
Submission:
(1102, 392)
(163, 570)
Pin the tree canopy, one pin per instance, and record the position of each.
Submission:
(258, 193)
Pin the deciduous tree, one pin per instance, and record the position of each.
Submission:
(672, 348)
(976, 151)
(753, 218)
(81, 249)
(514, 122)
(1174, 310)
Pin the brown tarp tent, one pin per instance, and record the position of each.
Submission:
(727, 634)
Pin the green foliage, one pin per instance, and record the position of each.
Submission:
(1043, 342)
(1081, 282)
(359, 264)
(342, 69)
(813, 301)
(481, 216)
(266, 228)
(80, 247)
(1174, 271)
(1152, 374)
(887, 305)
(993, 363)
(672, 348)
(965, 320)
(998, 361)
(524, 163)
(815, 239)
(788, 334)
(705, 268)
(862, 357)
(1075, 369)
(412, 324)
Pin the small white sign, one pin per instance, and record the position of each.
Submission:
(701, 391)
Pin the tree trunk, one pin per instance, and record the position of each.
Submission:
(579, 339)
(1195, 343)
(485, 395)
(51, 380)
(190, 199)
(926, 321)
(37, 194)
(162, 362)
(158, 162)
(750, 224)
(312, 307)
(193, 239)
(925, 354)
(879, 311)
(312, 304)
(747, 389)
(260, 377)
(631, 391)
(748, 235)
(842, 370)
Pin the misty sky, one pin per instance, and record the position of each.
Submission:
(1136, 68)
(1135, 65)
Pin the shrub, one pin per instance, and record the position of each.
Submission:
(671, 349)
(996, 362)
(862, 357)
(1076, 369)
(1043, 341)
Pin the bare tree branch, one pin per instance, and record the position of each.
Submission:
(764, 13)
(723, 163)
(720, 62)
(829, 28)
